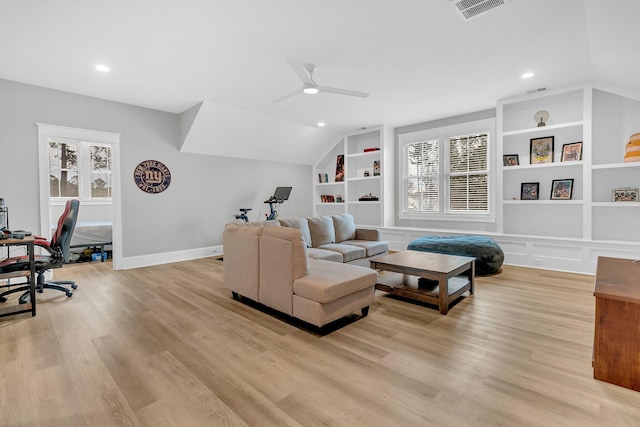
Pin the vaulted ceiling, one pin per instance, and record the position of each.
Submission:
(221, 63)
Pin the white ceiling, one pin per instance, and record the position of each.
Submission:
(418, 60)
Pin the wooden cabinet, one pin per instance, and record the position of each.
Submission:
(616, 351)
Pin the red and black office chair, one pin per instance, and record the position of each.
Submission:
(57, 254)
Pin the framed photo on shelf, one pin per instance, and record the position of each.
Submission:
(541, 150)
(561, 189)
(510, 160)
(530, 191)
(625, 194)
(376, 167)
(571, 152)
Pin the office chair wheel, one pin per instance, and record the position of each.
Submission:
(69, 293)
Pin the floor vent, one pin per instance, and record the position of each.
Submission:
(469, 9)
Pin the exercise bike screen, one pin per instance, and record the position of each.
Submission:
(282, 193)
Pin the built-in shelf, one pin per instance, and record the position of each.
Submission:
(543, 165)
(542, 202)
(543, 129)
(617, 165)
(616, 204)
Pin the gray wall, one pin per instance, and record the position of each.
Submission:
(445, 225)
(205, 191)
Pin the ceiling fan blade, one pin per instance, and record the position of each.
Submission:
(343, 91)
(301, 71)
(287, 96)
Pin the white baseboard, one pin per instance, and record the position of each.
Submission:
(167, 257)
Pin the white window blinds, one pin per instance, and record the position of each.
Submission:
(421, 170)
(468, 173)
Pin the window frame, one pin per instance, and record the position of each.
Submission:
(442, 134)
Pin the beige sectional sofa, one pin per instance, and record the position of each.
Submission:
(271, 265)
(334, 238)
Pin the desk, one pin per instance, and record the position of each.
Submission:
(616, 346)
(31, 274)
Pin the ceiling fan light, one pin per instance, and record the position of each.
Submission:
(310, 89)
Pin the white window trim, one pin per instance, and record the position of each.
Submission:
(442, 133)
(46, 132)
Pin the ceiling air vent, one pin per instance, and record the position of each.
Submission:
(469, 9)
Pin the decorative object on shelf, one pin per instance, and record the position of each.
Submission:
(367, 150)
(326, 177)
(571, 152)
(530, 191)
(368, 198)
(632, 149)
(510, 160)
(340, 168)
(327, 198)
(152, 176)
(338, 198)
(625, 194)
(541, 118)
(366, 173)
(561, 189)
(376, 168)
(541, 150)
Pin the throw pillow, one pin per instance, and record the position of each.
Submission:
(344, 226)
(299, 224)
(322, 231)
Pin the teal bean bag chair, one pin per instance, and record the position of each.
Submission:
(489, 256)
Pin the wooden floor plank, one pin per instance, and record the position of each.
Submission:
(167, 345)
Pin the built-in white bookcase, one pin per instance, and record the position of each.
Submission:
(590, 224)
(360, 177)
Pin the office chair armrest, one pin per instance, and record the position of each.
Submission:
(42, 242)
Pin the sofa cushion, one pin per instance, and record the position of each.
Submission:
(327, 281)
(373, 247)
(349, 252)
(322, 231)
(299, 224)
(316, 253)
(345, 227)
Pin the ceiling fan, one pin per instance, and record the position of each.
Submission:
(309, 86)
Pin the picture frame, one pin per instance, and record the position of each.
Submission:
(510, 160)
(530, 191)
(541, 150)
(625, 194)
(339, 168)
(571, 152)
(562, 189)
(376, 168)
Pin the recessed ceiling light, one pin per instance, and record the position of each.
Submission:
(527, 75)
(321, 124)
(103, 68)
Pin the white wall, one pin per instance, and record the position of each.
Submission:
(205, 192)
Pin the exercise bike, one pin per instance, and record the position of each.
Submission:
(279, 196)
(243, 214)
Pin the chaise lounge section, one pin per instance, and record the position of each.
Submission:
(271, 265)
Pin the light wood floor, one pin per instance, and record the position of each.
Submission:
(168, 346)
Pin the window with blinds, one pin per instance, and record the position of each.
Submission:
(468, 174)
(458, 186)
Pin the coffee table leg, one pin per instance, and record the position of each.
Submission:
(472, 277)
(443, 296)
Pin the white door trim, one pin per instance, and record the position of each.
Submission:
(46, 131)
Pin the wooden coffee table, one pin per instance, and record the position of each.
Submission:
(445, 277)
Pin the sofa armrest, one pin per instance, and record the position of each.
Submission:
(368, 234)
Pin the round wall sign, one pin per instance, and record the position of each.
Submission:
(152, 176)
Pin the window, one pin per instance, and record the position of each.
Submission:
(445, 173)
(79, 169)
(468, 173)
